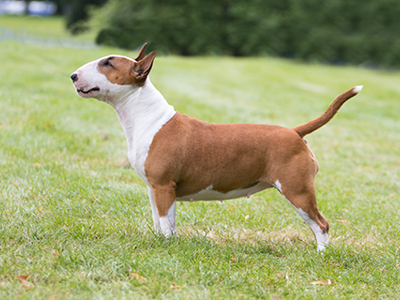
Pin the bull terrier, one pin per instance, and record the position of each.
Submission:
(185, 159)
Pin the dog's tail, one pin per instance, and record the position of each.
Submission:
(313, 125)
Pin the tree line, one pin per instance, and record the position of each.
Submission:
(329, 31)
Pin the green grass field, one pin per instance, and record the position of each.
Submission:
(79, 225)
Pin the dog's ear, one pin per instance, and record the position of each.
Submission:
(141, 54)
(141, 69)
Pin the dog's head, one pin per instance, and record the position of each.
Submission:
(112, 75)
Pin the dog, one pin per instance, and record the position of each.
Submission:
(185, 159)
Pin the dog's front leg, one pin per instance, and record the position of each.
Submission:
(167, 223)
(164, 199)
(156, 218)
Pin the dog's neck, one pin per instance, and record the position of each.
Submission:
(142, 114)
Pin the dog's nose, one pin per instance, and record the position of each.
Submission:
(74, 77)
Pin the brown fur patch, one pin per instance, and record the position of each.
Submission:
(124, 71)
(195, 155)
(118, 70)
(188, 155)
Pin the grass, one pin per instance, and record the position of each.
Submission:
(80, 225)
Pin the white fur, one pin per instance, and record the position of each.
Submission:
(278, 185)
(210, 194)
(156, 217)
(358, 88)
(167, 223)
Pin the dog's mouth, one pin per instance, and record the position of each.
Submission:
(88, 91)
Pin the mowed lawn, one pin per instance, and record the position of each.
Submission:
(75, 224)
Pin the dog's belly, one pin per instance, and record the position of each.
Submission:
(210, 194)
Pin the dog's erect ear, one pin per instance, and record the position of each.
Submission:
(141, 54)
(142, 68)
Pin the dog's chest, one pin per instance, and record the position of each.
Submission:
(140, 136)
(137, 159)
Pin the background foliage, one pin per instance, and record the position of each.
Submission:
(76, 13)
(332, 31)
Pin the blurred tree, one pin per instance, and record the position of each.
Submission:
(26, 12)
(61, 6)
(329, 31)
(76, 13)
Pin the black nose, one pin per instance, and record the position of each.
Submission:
(74, 77)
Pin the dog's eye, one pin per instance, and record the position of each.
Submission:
(107, 63)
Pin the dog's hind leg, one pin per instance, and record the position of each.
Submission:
(303, 200)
